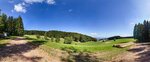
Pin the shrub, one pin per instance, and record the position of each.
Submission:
(38, 36)
(52, 39)
(68, 59)
(70, 49)
(57, 40)
(68, 40)
(45, 36)
(86, 57)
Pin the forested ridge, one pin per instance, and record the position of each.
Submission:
(10, 25)
(142, 31)
(61, 34)
(14, 27)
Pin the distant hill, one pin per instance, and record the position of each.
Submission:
(61, 34)
(118, 37)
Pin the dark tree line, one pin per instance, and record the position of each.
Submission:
(60, 34)
(118, 37)
(142, 31)
(11, 26)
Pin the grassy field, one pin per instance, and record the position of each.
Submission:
(93, 47)
(88, 46)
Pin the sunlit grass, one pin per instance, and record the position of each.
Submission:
(101, 47)
(88, 46)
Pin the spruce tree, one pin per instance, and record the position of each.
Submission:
(19, 26)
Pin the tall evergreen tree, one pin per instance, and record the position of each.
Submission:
(11, 25)
(145, 31)
(135, 31)
(142, 31)
(19, 26)
(4, 18)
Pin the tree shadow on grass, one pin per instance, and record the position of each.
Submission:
(18, 49)
(136, 49)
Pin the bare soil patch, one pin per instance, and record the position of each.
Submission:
(19, 50)
(140, 52)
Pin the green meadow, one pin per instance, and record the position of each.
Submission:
(106, 48)
(90, 46)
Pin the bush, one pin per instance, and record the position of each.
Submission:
(68, 40)
(68, 59)
(52, 39)
(46, 38)
(86, 57)
(38, 36)
(70, 49)
(57, 40)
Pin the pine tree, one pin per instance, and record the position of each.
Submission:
(4, 18)
(135, 31)
(10, 25)
(145, 31)
(19, 26)
(139, 32)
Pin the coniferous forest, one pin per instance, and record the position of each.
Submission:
(142, 31)
(11, 26)
(61, 34)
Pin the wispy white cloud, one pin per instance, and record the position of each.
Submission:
(50, 1)
(94, 34)
(33, 1)
(21, 7)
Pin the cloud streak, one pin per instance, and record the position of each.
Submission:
(94, 34)
(21, 7)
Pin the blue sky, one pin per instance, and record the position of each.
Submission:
(97, 18)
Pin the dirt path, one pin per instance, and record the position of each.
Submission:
(140, 52)
(19, 50)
